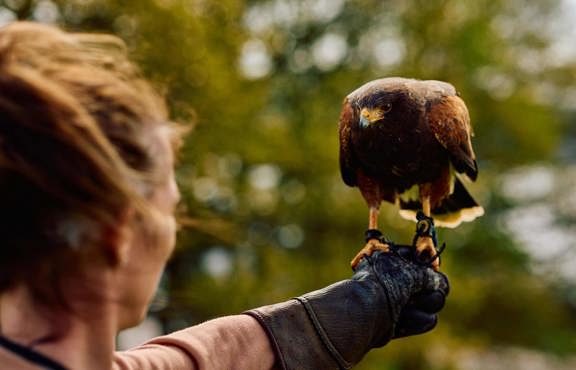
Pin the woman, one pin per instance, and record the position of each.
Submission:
(87, 192)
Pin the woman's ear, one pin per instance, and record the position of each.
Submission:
(117, 238)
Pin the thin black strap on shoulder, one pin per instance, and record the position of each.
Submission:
(30, 355)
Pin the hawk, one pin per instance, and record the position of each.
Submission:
(402, 136)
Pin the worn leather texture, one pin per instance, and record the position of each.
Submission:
(333, 328)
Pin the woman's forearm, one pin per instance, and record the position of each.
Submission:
(231, 342)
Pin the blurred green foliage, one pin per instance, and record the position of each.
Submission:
(265, 215)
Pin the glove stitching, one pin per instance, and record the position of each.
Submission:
(275, 345)
(322, 334)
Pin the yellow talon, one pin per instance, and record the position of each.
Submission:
(425, 250)
(370, 247)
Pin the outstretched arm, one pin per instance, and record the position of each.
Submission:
(388, 297)
(231, 342)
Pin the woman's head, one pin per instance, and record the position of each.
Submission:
(85, 145)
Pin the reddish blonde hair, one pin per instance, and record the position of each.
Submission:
(78, 144)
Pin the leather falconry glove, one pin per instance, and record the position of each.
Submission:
(333, 328)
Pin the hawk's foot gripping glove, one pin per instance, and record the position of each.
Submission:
(425, 242)
(333, 328)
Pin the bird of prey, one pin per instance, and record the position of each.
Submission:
(403, 136)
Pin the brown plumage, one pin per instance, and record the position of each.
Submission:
(396, 133)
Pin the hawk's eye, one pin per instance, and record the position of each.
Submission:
(387, 107)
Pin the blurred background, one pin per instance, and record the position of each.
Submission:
(265, 215)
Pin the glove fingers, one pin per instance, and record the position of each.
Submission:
(436, 281)
(406, 252)
(430, 302)
(413, 321)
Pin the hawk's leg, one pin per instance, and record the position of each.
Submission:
(373, 218)
(425, 248)
(426, 205)
(373, 193)
(373, 242)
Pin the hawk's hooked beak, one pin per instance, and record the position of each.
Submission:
(368, 116)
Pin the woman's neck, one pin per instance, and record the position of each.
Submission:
(79, 337)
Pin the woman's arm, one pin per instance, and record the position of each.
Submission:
(231, 342)
(388, 297)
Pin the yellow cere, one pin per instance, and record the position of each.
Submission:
(372, 115)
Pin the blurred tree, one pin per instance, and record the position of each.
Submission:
(265, 215)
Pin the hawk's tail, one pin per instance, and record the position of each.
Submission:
(458, 207)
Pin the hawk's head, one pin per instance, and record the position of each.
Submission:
(389, 102)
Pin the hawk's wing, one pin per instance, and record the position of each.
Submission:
(449, 121)
(348, 161)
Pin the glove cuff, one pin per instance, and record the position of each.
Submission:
(297, 337)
